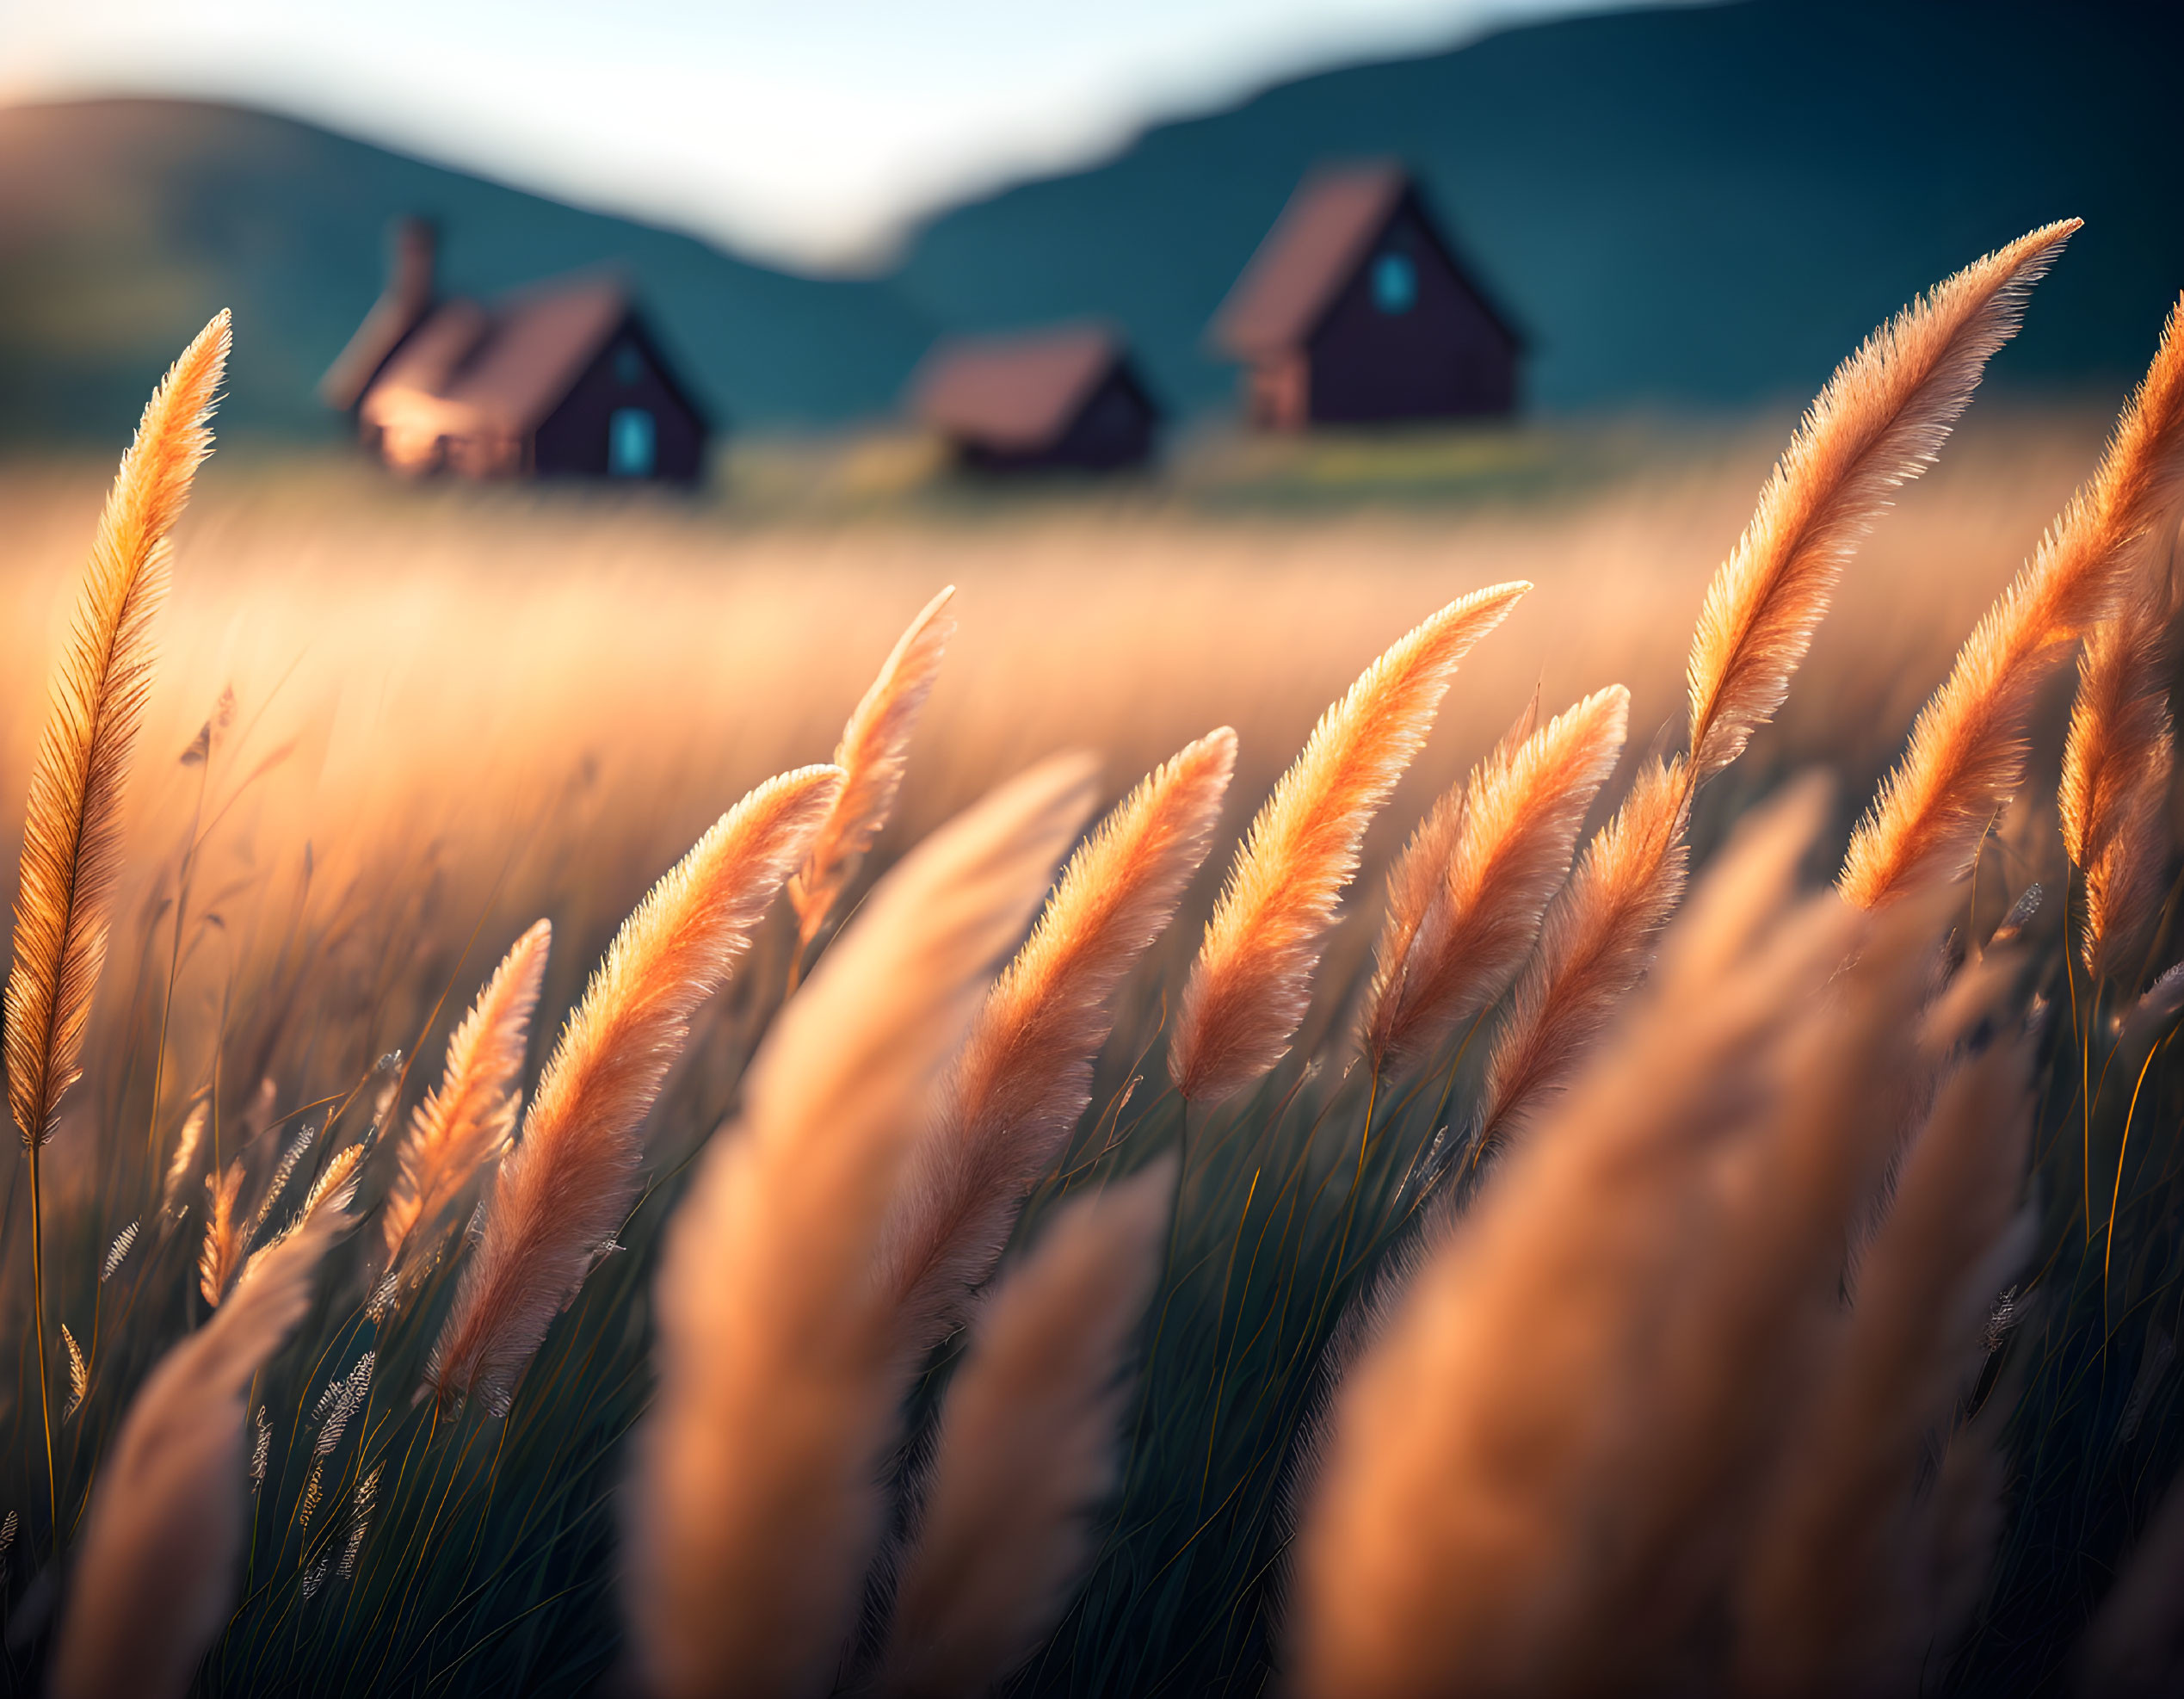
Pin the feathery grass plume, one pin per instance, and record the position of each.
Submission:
(155, 1578)
(1596, 944)
(1731, 1334)
(1252, 981)
(348, 1396)
(473, 1111)
(224, 1241)
(2117, 763)
(1967, 752)
(299, 1148)
(755, 1505)
(2121, 749)
(1466, 897)
(1025, 1074)
(1027, 1446)
(79, 1373)
(565, 1188)
(1880, 422)
(171, 1206)
(335, 1188)
(72, 832)
(872, 754)
(117, 1252)
(1464, 1475)
(1824, 1606)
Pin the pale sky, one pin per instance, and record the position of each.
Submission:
(808, 133)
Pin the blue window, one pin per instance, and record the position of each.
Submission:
(630, 443)
(629, 364)
(1395, 283)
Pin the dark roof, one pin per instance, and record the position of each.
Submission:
(504, 368)
(393, 316)
(1314, 247)
(1018, 392)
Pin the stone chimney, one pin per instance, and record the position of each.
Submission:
(403, 301)
(416, 244)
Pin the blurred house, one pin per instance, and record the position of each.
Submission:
(1357, 310)
(559, 379)
(1062, 399)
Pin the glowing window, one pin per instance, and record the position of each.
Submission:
(630, 443)
(1395, 283)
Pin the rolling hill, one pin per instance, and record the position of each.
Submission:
(125, 224)
(1699, 206)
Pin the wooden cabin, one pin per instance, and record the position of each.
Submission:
(1357, 310)
(560, 380)
(1056, 399)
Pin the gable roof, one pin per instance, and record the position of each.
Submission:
(1315, 248)
(1018, 392)
(501, 370)
(392, 318)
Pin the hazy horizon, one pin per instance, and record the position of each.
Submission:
(812, 138)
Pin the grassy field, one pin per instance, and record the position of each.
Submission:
(394, 724)
(594, 679)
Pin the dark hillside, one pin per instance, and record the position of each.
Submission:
(1695, 205)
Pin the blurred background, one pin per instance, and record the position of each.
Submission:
(611, 384)
(1693, 207)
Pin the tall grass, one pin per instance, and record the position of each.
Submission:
(913, 1278)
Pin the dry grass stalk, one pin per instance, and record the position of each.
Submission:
(1025, 1074)
(223, 1248)
(755, 1505)
(171, 1206)
(1827, 1600)
(472, 1113)
(1597, 944)
(1732, 1332)
(2118, 760)
(1027, 1447)
(1465, 1478)
(872, 754)
(71, 833)
(1880, 422)
(154, 1579)
(299, 1148)
(334, 1190)
(79, 1373)
(565, 1188)
(1466, 897)
(1252, 981)
(1967, 752)
(2121, 749)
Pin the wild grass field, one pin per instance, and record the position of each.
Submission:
(1387, 1278)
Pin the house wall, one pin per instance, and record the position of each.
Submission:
(1277, 392)
(1113, 429)
(573, 439)
(1442, 357)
